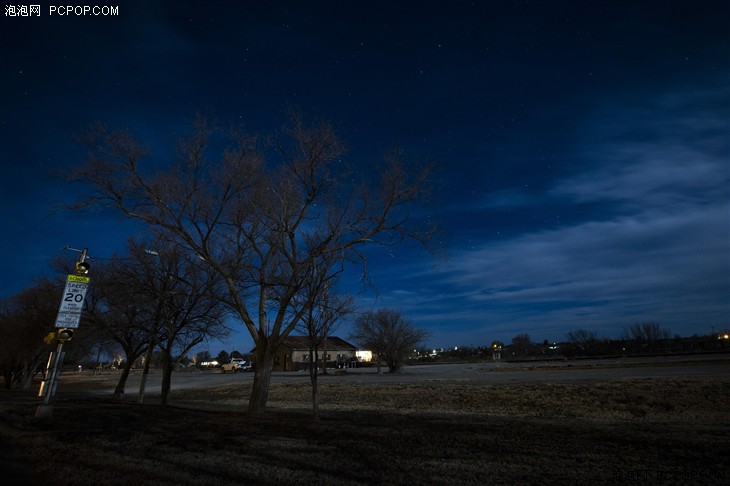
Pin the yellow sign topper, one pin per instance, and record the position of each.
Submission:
(78, 279)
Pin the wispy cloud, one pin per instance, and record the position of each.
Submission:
(662, 253)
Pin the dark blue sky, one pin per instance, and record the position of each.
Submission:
(582, 146)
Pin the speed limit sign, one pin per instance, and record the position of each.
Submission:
(72, 302)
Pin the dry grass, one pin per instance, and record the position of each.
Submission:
(686, 400)
(667, 431)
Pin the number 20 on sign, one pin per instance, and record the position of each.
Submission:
(73, 294)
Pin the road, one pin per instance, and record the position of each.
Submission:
(586, 371)
(488, 373)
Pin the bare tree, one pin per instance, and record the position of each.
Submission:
(127, 308)
(259, 225)
(161, 300)
(186, 306)
(582, 338)
(388, 335)
(325, 309)
(370, 335)
(647, 331)
(648, 335)
(192, 318)
(121, 312)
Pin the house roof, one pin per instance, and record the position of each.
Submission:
(334, 343)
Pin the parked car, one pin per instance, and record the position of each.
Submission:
(236, 365)
(229, 367)
(245, 366)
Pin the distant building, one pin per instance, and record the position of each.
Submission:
(293, 353)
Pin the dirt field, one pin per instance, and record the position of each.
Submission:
(630, 431)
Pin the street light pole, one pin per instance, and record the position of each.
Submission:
(148, 354)
(146, 370)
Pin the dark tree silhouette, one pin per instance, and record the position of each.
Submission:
(25, 319)
(521, 345)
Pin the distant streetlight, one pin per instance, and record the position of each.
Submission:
(148, 354)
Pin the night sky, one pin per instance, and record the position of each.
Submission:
(582, 147)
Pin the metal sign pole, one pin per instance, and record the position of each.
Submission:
(69, 315)
(53, 373)
(48, 386)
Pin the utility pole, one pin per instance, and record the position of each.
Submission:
(69, 315)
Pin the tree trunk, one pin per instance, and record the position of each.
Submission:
(315, 396)
(26, 371)
(261, 379)
(96, 365)
(324, 357)
(119, 390)
(313, 368)
(27, 376)
(166, 378)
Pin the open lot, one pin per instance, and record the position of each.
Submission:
(489, 373)
(648, 422)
